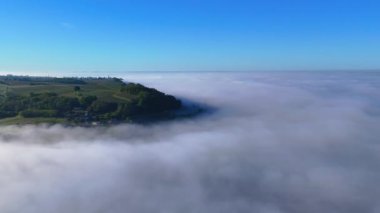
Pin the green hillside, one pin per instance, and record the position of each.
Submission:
(25, 100)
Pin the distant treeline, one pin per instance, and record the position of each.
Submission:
(5, 79)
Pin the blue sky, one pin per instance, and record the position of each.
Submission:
(193, 35)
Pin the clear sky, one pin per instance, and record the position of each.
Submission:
(194, 35)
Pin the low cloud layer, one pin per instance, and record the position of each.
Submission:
(277, 143)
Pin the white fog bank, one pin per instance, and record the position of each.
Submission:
(278, 143)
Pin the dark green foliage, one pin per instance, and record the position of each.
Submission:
(88, 100)
(119, 80)
(77, 88)
(134, 89)
(156, 102)
(126, 110)
(38, 113)
(63, 104)
(101, 107)
(7, 114)
(147, 100)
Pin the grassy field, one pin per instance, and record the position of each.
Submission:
(18, 120)
(106, 89)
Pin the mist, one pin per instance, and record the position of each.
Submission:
(277, 142)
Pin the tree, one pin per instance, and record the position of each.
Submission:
(88, 100)
(77, 88)
(101, 107)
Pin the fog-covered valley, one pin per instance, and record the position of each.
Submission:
(277, 142)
